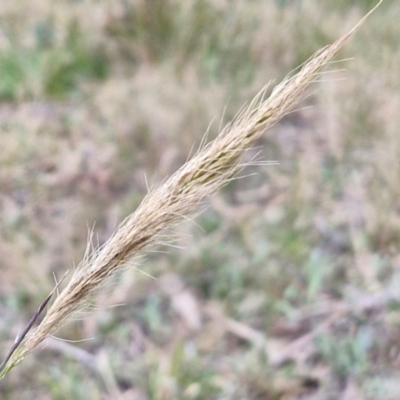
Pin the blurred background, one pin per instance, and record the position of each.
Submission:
(288, 285)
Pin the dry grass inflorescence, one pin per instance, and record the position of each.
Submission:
(288, 289)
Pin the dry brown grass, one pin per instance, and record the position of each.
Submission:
(211, 168)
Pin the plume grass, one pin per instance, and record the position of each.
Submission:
(206, 172)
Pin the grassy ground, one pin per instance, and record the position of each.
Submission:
(288, 285)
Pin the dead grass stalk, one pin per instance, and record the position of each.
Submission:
(206, 172)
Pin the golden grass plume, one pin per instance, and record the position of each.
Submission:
(206, 172)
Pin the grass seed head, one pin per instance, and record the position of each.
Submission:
(209, 170)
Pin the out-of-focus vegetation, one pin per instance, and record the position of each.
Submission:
(287, 286)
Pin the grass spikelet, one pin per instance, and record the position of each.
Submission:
(210, 169)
